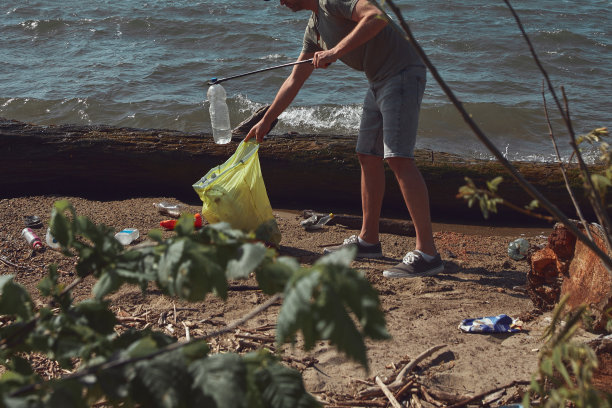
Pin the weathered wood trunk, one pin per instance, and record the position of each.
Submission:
(567, 266)
(588, 281)
(300, 171)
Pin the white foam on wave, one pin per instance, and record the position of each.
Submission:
(273, 57)
(320, 118)
(326, 118)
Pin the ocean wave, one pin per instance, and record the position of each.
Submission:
(44, 26)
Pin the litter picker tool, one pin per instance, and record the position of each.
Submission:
(214, 81)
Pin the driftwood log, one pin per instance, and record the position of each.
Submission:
(300, 171)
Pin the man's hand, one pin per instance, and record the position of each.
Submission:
(258, 131)
(323, 59)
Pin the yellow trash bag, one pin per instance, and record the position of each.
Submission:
(234, 192)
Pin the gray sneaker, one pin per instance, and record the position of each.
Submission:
(363, 251)
(413, 265)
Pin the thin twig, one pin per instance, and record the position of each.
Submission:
(429, 398)
(562, 168)
(351, 403)
(387, 393)
(6, 261)
(405, 388)
(71, 286)
(408, 368)
(484, 394)
(399, 379)
(593, 194)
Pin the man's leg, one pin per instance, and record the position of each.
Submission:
(372, 192)
(416, 197)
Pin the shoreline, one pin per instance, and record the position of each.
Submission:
(299, 171)
(479, 280)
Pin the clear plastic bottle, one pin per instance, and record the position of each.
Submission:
(173, 210)
(32, 238)
(51, 241)
(127, 236)
(219, 114)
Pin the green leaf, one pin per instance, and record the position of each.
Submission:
(493, 184)
(484, 209)
(142, 347)
(168, 264)
(97, 315)
(278, 386)
(335, 324)
(195, 349)
(219, 380)
(107, 283)
(601, 183)
(297, 311)
(164, 381)
(343, 257)
(14, 299)
(155, 235)
(250, 256)
(66, 394)
(20, 365)
(60, 225)
(272, 277)
(184, 226)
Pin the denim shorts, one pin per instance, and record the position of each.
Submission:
(390, 115)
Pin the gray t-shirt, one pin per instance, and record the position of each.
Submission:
(382, 57)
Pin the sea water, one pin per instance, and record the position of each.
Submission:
(145, 64)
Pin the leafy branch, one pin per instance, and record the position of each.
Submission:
(489, 199)
(151, 369)
(566, 367)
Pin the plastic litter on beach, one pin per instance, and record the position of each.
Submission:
(171, 210)
(492, 324)
(518, 249)
(170, 224)
(32, 238)
(32, 221)
(316, 221)
(127, 236)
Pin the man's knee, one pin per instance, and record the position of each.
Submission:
(399, 164)
(369, 159)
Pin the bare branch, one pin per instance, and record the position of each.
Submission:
(562, 168)
(387, 393)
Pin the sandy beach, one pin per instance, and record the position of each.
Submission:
(479, 280)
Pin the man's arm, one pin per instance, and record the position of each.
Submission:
(283, 99)
(370, 21)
